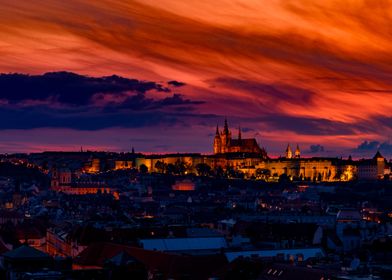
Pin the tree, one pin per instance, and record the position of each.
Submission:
(160, 166)
(239, 174)
(283, 178)
(262, 173)
(180, 167)
(230, 172)
(319, 177)
(170, 169)
(143, 169)
(203, 169)
(219, 171)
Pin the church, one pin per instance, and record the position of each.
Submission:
(224, 143)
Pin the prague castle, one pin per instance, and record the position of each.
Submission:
(224, 143)
(244, 156)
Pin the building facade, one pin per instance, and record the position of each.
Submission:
(224, 143)
(370, 169)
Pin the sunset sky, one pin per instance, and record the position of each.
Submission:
(160, 74)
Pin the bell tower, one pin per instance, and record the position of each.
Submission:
(297, 153)
(217, 142)
(226, 138)
(289, 152)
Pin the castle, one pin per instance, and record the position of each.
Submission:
(243, 156)
(224, 143)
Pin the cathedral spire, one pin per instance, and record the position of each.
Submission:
(217, 130)
(239, 132)
(289, 153)
(226, 128)
(297, 152)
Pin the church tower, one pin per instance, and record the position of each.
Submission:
(225, 138)
(297, 153)
(289, 152)
(217, 142)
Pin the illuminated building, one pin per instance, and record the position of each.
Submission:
(59, 243)
(62, 181)
(321, 169)
(123, 164)
(60, 178)
(246, 159)
(224, 143)
(372, 168)
(184, 185)
(95, 165)
(297, 153)
(289, 152)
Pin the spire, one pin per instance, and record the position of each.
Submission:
(289, 152)
(378, 155)
(297, 152)
(226, 128)
(239, 132)
(217, 130)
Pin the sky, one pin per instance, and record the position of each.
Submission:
(160, 75)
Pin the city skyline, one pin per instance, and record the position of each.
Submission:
(316, 74)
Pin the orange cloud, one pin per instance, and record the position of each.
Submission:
(337, 52)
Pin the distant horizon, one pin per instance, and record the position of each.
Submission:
(272, 156)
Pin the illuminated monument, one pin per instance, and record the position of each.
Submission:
(246, 157)
(289, 152)
(224, 143)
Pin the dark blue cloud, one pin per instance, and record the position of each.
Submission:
(67, 88)
(367, 147)
(316, 148)
(88, 103)
(384, 121)
(176, 83)
(309, 126)
(141, 102)
(247, 129)
(95, 119)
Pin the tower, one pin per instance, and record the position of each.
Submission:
(217, 142)
(289, 152)
(239, 133)
(225, 138)
(54, 180)
(380, 163)
(297, 153)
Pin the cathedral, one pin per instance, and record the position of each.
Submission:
(289, 152)
(224, 143)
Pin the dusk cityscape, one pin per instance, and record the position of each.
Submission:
(226, 139)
